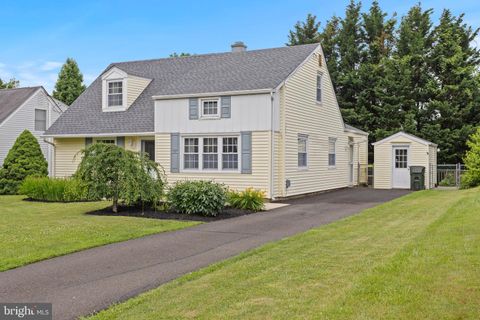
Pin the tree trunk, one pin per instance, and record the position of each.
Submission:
(115, 204)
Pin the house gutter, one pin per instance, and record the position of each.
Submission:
(272, 149)
(210, 94)
(82, 135)
(53, 157)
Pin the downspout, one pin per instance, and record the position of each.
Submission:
(272, 149)
(53, 156)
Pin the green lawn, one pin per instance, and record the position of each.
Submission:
(32, 231)
(417, 257)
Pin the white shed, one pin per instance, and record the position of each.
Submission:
(394, 155)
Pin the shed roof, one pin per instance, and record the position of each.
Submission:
(405, 135)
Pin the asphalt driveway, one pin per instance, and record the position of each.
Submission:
(88, 281)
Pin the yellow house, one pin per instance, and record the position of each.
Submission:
(267, 119)
(395, 155)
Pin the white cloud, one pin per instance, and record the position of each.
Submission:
(50, 65)
(32, 73)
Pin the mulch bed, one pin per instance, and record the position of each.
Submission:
(227, 213)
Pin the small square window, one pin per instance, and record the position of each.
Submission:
(210, 108)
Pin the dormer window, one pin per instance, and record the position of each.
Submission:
(115, 93)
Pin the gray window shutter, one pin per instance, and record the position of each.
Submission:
(121, 142)
(88, 141)
(226, 103)
(193, 109)
(246, 151)
(175, 152)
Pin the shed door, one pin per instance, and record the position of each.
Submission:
(401, 173)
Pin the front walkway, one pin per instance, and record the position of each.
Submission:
(88, 281)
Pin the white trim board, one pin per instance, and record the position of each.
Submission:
(405, 135)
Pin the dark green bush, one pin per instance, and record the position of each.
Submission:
(250, 199)
(205, 198)
(24, 159)
(471, 178)
(55, 190)
(448, 180)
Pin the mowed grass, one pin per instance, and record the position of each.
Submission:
(33, 231)
(417, 257)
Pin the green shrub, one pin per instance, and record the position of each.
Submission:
(250, 199)
(24, 159)
(197, 197)
(55, 190)
(471, 178)
(448, 180)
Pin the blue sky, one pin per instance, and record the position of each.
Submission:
(38, 36)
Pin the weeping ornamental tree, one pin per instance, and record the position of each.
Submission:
(117, 174)
(24, 159)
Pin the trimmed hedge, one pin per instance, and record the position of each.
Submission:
(250, 199)
(205, 198)
(55, 190)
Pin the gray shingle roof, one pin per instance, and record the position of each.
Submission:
(352, 128)
(11, 99)
(218, 72)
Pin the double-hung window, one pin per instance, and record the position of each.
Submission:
(190, 156)
(40, 120)
(332, 152)
(230, 153)
(302, 151)
(115, 93)
(211, 153)
(319, 87)
(210, 108)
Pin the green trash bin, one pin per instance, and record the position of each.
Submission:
(417, 178)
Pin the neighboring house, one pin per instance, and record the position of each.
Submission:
(267, 119)
(30, 108)
(394, 156)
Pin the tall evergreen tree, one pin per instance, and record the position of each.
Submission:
(350, 47)
(329, 41)
(378, 37)
(455, 107)
(305, 32)
(12, 83)
(70, 83)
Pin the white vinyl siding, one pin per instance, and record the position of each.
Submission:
(247, 113)
(24, 118)
(301, 114)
